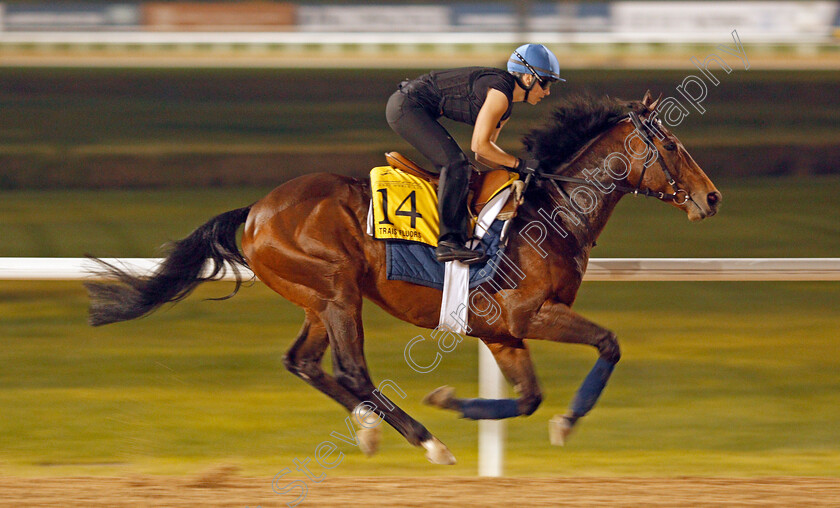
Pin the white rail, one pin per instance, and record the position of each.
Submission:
(711, 269)
(600, 269)
(491, 382)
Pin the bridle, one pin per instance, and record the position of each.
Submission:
(642, 126)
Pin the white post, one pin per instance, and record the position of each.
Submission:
(491, 433)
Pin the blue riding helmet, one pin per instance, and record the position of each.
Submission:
(531, 58)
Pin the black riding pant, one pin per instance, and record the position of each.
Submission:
(418, 126)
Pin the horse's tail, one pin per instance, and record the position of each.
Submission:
(132, 296)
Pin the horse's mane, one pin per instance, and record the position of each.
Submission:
(573, 123)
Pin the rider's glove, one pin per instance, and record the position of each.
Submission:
(526, 166)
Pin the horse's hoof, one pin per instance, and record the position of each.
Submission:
(437, 452)
(559, 429)
(443, 397)
(368, 439)
(369, 434)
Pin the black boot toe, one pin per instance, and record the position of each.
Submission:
(451, 251)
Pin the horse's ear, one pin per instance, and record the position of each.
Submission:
(647, 98)
(655, 103)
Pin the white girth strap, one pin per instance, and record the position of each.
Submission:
(454, 308)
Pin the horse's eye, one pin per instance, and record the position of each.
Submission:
(670, 146)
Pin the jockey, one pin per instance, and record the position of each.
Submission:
(478, 96)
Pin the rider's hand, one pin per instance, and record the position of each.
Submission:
(522, 165)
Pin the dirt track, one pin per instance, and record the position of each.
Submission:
(221, 488)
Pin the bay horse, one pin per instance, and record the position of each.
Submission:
(306, 240)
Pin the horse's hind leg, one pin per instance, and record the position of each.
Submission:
(303, 360)
(514, 360)
(343, 323)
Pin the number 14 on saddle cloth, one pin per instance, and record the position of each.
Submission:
(404, 206)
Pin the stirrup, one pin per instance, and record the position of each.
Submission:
(454, 251)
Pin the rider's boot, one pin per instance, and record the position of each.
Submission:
(452, 209)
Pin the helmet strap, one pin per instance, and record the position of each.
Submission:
(527, 88)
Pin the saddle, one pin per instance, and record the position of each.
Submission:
(483, 185)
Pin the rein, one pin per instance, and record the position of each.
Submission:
(642, 127)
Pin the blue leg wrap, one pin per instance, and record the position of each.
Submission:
(591, 388)
(489, 409)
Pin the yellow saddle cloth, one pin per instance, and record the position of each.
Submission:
(404, 206)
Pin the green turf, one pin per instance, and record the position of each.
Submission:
(716, 378)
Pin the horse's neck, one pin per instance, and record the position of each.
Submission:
(571, 231)
(590, 215)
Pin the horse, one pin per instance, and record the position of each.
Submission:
(307, 241)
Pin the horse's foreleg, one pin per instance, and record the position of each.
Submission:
(514, 360)
(558, 323)
(344, 327)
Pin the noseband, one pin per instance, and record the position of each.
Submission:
(643, 126)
